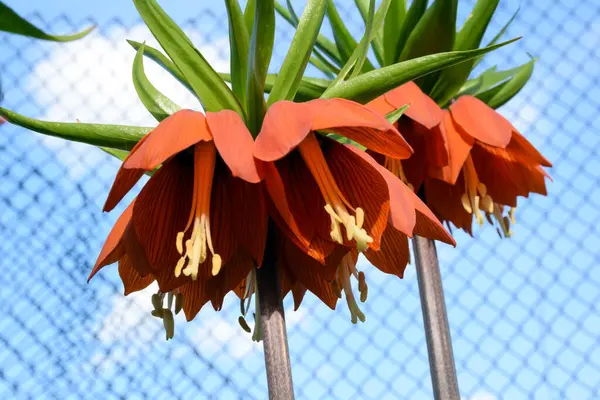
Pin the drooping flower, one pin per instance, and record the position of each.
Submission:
(199, 224)
(472, 163)
(331, 195)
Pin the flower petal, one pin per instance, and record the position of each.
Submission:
(422, 109)
(298, 292)
(358, 123)
(427, 225)
(124, 181)
(172, 135)
(459, 145)
(361, 184)
(392, 257)
(161, 211)
(113, 250)
(132, 280)
(285, 125)
(444, 200)
(228, 278)
(234, 143)
(522, 148)
(402, 213)
(194, 298)
(506, 176)
(481, 121)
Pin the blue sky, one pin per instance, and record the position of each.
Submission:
(523, 311)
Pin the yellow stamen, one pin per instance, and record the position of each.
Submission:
(199, 243)
(345, 271)
(475, 197)
(336, 204)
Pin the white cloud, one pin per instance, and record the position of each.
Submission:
(482, 396)
(90, 80)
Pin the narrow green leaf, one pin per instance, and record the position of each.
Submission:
(391, 31)
(343, 39)
(11, 22)
(159, 105)
(361, 50)
(490, 78)
(239, 43)
(293, 67)
(368, 86)
(115, 136)
(323, 43)
(499, 34)
(395, 115)
(119, 154)
(377, 42)
(249, 15)
(433, 34)
(469, 37)
(310, 88)
(323, 65)
(413, 16)
(164, 61)
(369, 36)
(214, 94)
(510, 88)
(261, 48)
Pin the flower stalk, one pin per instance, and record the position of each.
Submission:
(435, 320)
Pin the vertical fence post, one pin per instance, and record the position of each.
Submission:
(435, 319)
(272, 319)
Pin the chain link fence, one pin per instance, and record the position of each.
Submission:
(524, 312)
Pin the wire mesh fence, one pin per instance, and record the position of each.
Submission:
(524, 312)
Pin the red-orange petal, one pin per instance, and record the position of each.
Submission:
(358, 123)
(285, 125)
(506, 176)
(194, 298)
(444, 200)
(422, 109)
(234, 143)
(459, 145)
(131, 278)
(402, 213)
(392, 257)
(161, 211)
(172, 135)
(113, 250)
(298, 292)
(124, 181)
(362, 185)
(521, 148)
(481, 121)
(427, 225)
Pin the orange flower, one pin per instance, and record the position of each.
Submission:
(331, 195)
(199, 224)
(484, 163)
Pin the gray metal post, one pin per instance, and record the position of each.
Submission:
(435, 319)
(272, 319)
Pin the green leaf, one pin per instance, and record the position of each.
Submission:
(377, 43)
(392, 28)
(261, 48)
(395, 115)
(239, 43)
(413, 16)
(119, 154)
(159, 105)
(115, 136)
(469, 37)
(433, 34)
(164, 61)
(363, 47)
(488, 79)
(343, 39)
(502, 93)
(11, 22)
(368, 86)
(361, 50)
(293, 67)
(214, 94)
(309, 89)
(323, 43)
(323, 65)
(499, 34)
(249, 15)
